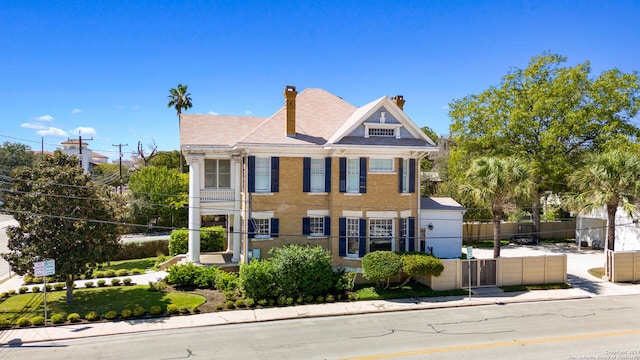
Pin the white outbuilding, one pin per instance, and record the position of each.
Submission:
(591, 229)
(441, 226)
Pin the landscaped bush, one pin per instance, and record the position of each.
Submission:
(102, 283)
(109, 273)
(92, 316)
(240, 303)
(88, 284)
(230, 304)
(74, 317)
(110, 315)
(48, 287)
(5, 323)
(115, 281)
(136, 271)
(263, 302)
(157, 286)
(226, 281)
(421, 264)
(302, 270)
(212, 239)
(142, 249)
(23, 322)
(11, 292)
(320, 299)
(250, 302)
(23, 289)
(4, 295)
(122, 272)
(57, 318)
(191, 275)
(219, 307)
(380, 266)
(155, 310)
(126, 313)
(172, 309)
(256, 279)
(139, 311)
(329, 298)
(27, 280)
(206, 277)
(58, 286)
(127, 281)
(37, 320)
(35, 289)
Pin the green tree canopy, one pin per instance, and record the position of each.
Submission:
(158, 196)
(62, 215)
(13, 155)
(548, 113)
(495, 182)
(168, 159)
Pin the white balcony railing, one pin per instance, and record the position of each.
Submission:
(217, 195)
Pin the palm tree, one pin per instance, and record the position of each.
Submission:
(180, 99)
(610, 179)
(495, 182)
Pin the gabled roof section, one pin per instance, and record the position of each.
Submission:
(215, 130)
(319, 114)
(343, 135)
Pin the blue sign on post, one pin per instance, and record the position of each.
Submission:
(49, 267)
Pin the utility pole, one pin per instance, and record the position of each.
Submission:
(80, 147)
(120, 157)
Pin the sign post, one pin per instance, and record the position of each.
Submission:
(469, 256)
(44, 269)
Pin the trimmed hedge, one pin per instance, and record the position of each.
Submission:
(212, 239)
(143, 249)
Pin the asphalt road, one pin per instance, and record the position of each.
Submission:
(597, 328)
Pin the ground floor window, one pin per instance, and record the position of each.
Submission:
(316, 226)
(381, 235)
(353, 236)
(262, 228)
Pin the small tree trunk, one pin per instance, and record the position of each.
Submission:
(69, 284)
(535, 216)
(496, 234)
(611, 238)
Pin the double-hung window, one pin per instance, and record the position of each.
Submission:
(316, 226)
(263, 174)
(353, 237)
(353, 175)
(381, 234)
(317, 175)
(406, 175)
(217, 174)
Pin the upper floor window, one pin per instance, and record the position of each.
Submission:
(316, 175)
(353, 175)
(405, 176)
(217, 173)
(384, 132)
(263, 174)
(381, 165)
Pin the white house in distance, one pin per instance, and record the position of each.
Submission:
(79, 150)
(591, 230)
(441, 226)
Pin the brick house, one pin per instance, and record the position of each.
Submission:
(318, 171)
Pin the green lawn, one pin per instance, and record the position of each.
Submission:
(368, 292)
(143, 264)
(534, 287)
(100, 300)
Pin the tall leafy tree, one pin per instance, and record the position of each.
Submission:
(168, 159)
(550, 114)
(180, 99)
(495, 182)
(610, 179)
(62, 215)
(13, 155)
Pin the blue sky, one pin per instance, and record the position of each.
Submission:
(104, 68)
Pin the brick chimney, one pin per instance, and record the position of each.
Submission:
(399, 100)
(290, 109)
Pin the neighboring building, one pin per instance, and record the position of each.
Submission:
(319, 171)
(97, 159)
(591, 230)
(441, 227)
(79, 150)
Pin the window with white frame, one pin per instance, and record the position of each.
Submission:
(353, 175)
(353, 237)
(382, 132)
(217, 174)
(381, 165)
(317, 175)
(316, 226)
(262, 228)
(263, 174)
(381, 234)
(405, 175)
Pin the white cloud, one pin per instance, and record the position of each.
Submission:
(76, 111)
(248, 112)
(44, 118)
(212, 113)
(446, 107)
(84, 131)
(36, 126)
(51, 131)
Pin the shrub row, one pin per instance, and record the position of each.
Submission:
(194, 276)
(212, 239)
(143, 249)
(93, 316)
(380, 266)
(113, 273)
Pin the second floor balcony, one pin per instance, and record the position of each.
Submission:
(209, 195)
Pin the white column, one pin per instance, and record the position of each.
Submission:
(195, 167)
(237, 184)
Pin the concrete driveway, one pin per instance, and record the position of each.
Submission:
(579, 261)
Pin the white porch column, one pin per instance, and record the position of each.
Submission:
(195, 168)
(237, 207)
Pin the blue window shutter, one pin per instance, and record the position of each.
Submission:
(327, 174)
(251, 164)
(343, 174)
(412, 175)
(306, 174)
(251, 228)
(363, 175)
(400, 169)
(275, 227)
(306, 226)
(342, 236)
(275, 173)
(411, 227)
(327, 226)
(362, 244)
